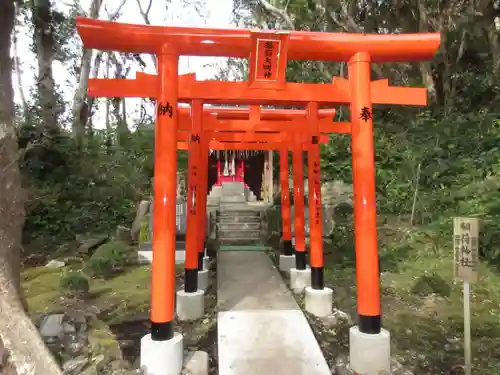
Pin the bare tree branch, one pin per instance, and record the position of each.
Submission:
(116, 14)
(280, 13)
(145, 16)
(349, 25)
(81, 92)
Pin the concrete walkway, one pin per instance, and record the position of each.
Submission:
(261, 329)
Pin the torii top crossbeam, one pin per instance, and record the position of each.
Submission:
(320, 46)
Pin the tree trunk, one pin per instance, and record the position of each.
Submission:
(44, 42)
(18, 70)
(79, 101)
(426, 67)
(119, 109)
(81, 92)
(493, 40)
(95, 74)
(19, 338)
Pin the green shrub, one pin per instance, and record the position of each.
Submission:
(431, 283)
(342, 236)
(75, 283)
(273, 220)
(109, 259)
(144, 231)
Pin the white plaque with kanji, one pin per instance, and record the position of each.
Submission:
(466, 248)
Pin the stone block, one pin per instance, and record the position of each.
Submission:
(190, 306)
(318, 302)
(197, 363)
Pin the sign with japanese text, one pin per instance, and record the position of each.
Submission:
(267, 60)
(317, 192)
(466, 248)
(180, 217)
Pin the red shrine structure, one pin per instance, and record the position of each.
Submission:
(268, 54)
(230, 168)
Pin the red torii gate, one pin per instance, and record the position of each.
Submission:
(237, 129)
(237, 141)
(231, 125)
(267, 78)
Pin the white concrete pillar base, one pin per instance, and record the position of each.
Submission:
(300, 279)
(287, 262)
(190, 306)
(369, 354)
(206, 261)
(203, 281)
(319, 301)
(162, 357)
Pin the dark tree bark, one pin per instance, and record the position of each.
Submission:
(23, 351)
(44, 41)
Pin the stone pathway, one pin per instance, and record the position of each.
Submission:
(261, 329)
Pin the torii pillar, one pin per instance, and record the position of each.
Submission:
(269, 176)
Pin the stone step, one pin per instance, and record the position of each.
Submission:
(231, 225)
(233, 188)
(239, 233)
(238, 219)
(233, 199)
(239, 241)
(237, 212)
(148, 246)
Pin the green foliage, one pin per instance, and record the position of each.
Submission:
(342, 237)
(273, 218)
(453, 143)
(145, 232)
(74, 283)
(459, 167)
(428, 284)
(109, 259)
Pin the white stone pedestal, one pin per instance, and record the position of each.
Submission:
(300, 279)
(206, 261)
(190, 306)
(203, 281)
(369, 354)
(287, 262)
(319, 301)
(162, 357)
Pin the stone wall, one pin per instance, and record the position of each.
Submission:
(337, 198)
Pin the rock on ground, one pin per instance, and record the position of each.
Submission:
(55, 264)
(84, 344)
(196, 363)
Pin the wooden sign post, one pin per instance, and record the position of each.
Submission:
(466, 252)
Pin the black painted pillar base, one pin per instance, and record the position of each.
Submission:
(190, 280)
(300, 260)
(287, 247)
(200, 260)
(317, 278)
(162, 331)
(370, 324)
